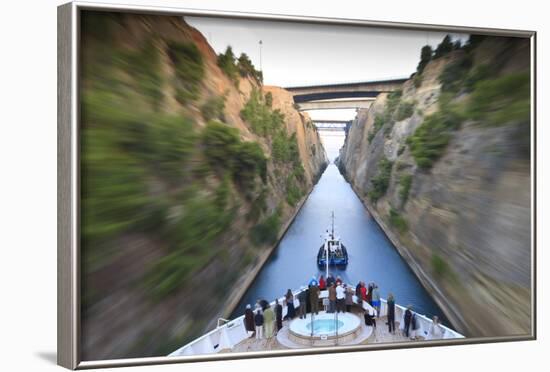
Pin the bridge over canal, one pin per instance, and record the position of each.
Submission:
(343, 95)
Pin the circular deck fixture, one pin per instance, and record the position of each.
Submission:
(325, 329)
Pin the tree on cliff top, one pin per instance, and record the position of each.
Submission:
(444, 47)
(226, 62)
(246, 68)
(425, 57)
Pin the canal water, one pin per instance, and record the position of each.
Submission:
(372, 257)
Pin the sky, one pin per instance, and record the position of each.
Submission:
(294, 54)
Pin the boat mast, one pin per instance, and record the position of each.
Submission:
(333, 225)
(326, 255)
(326, 245)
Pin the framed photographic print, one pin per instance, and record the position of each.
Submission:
(235, 185)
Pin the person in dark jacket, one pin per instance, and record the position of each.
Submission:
(259, 323)
(414, 326)
(407, 318)
(391, 313)
(249, 320)
(330, 280)
(331, 298)
(369, 293)
(278, 315)
(370, 319)
(314, 299)
(358, 294)
(290, 310)
(302, 297)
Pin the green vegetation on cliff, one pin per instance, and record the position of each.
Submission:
(398, 221)
(226, 152)
(233, 67)
(492, 100)
(213, 108)
(171, 187)
(430, 139)
(226, 62)
(262, 119)
(501, 100)
(269, 123)
(145, 66)
(388, 117)
(425, 57)
(381, 182)
(266, 232)
(405, 182)
(130, 153)
(191, 235)
(189, 69)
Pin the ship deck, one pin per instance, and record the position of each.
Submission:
(380, 334)
(233, 338)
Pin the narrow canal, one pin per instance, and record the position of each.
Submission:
(372, 257)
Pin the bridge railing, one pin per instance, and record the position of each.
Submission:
(350, 82)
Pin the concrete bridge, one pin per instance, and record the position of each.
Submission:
(332, 125)
(343, 95)
(336, 104)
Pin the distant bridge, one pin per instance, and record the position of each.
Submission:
(336, 104)
(332, 125)
(344, 95)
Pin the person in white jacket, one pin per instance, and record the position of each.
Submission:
(436, 331)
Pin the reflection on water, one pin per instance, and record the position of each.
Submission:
(372, 256)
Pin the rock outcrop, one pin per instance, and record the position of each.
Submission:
(444, 167)
(189, 177)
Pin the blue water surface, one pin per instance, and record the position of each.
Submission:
(372, 257)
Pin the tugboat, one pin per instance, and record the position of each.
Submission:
(334, 249)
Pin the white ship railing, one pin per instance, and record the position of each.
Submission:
(230, 333)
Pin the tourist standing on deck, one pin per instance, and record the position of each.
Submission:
(269, 318)
(376, 299)
(249, 320)
(415, 326)
(369, 293)
(349, 298)
(331, 299)
(407, 320)
(364, 293)
(340, 298)
(391, 313)
(314, 299)
(322, 283)
(313, 281)
(290, 310)
(436, 331)
(278, 315)
(302, 297)
(330, 280)
(370, 320)
(358, 294)
(259, 322)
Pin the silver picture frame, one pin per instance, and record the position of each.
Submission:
(68, 184)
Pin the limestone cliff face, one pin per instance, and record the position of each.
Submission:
(196, 218)
(462, 218)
